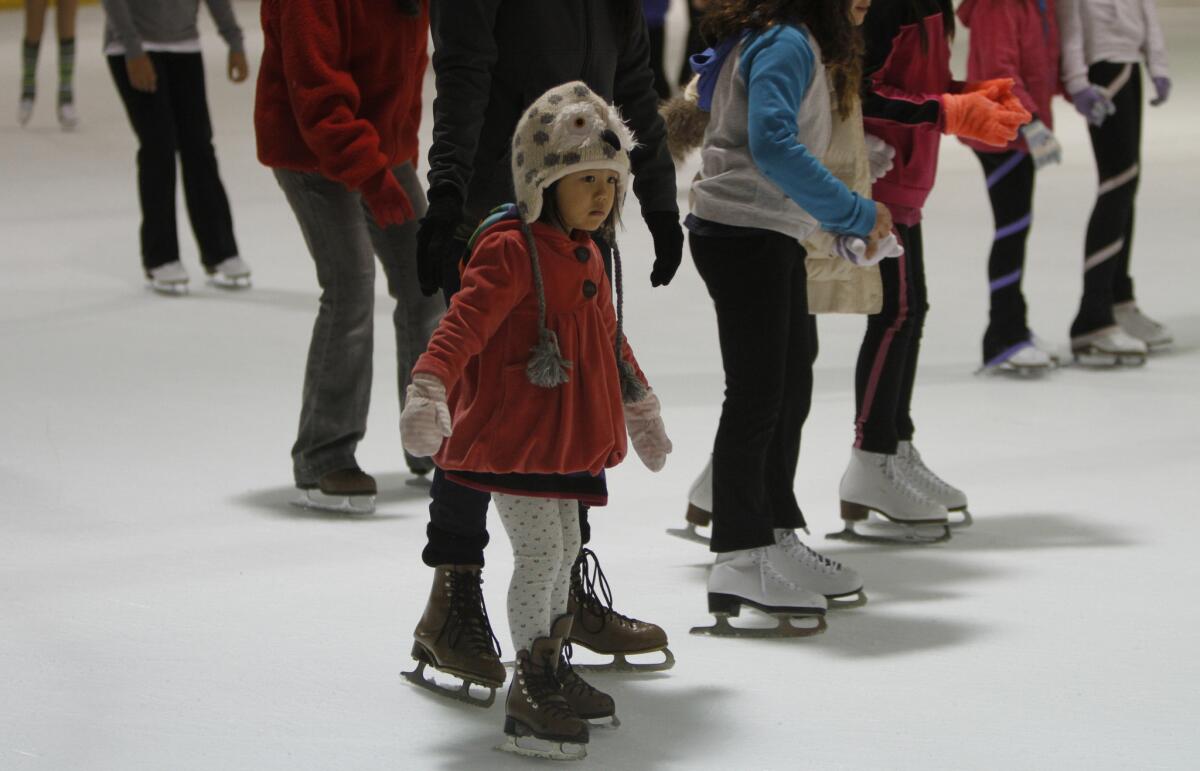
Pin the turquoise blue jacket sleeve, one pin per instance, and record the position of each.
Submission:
(778, 66)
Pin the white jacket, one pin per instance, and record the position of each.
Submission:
(1108, 31)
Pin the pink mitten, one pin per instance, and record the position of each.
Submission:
(425, 421)
(647, 433)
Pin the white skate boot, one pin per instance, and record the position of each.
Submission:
(1137, 324)
(700, 505)
(1109, 347)
(753, 577)
(24, 110)
(68, 116)
(876, 482)
(230, 273)
(1026, 360)
(930, 484)
(841, 586)
(169, 279)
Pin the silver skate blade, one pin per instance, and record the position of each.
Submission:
(610, 723)
(847, 601)
(620, 663)
(462, 693)
(784, 627)
(896, 535)
(225, 282)
(688, 534)
(420, 482)
(170, 289)
(338, 504)
(966, 521)
(1107, 360)
(531, 747)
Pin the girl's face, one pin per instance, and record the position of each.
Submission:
(585, 198)
(858, 11)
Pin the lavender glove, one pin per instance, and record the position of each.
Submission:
(643, 420)
(1093, 104)
(1162, 91)
(425, 421)
(1043, 147)
(880, 156)
(853, 249)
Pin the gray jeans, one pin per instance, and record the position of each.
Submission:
(343, 239)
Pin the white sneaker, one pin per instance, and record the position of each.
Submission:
(876, 482)
(24, 111)
(169, 279)
(68, 118)
(230, 273)
(1137, 324)
(816, 572)
(928, 483)
(754, 577)
(1109, 347)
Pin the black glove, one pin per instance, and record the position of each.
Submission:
(410, 7)
(435, 238)
(668, 245)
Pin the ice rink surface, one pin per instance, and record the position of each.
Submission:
(163, 607)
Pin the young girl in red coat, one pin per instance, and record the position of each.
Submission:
(1015, 39)
(530, 382)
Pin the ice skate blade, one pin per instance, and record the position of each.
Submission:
(420, 482)
(688, 534)
(966, 521)
(359, 505)
(1007, 369)
(462, 693)
(609, 723)
(169, 289)
(903, 535)
(784, 627)
(847, 601)
(540, 748)
(1092, 359)
(225, 282)
(620, 663)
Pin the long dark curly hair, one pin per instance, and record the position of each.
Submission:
(828, 20)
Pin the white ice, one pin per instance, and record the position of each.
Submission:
(163, 607)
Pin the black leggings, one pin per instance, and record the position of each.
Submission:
(1117, 147)
(887, 360)
(1010, 177)
(768, 345)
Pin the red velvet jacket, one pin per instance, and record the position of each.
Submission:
(502, 422)
(1013, 39)
(339, 92)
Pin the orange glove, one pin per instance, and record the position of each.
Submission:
(977, 116)
(999, 90)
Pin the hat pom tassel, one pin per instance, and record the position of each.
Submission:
(633, 390)
(547, 368)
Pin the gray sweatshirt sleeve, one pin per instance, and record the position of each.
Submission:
(222, 13)
(120, 21)
(1155, 47)
(1070, 31)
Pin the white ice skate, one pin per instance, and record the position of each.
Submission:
(876, 482)
(24, 111)
(1108, 347)
(230, 273)
(1027, 360)
(1137, 324)
(699, 510)
(68, 117)
(931, 485)
(753, 577)
(841, 586)
(169, 279)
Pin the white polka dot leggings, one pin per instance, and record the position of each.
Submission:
(545, 541)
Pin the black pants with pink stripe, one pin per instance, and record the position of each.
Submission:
(887, 360)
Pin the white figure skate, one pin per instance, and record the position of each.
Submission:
(841, 586)
(876, 482)
(753, 577)
(24, 111)
(1028, 360)
(1136, 324)
(68, 117)
(931, 485)
(170, 279)
(699, 510)
(1108, 347)
(230, 273)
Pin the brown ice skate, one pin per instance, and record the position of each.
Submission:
(537, 711)
(602, 630)
(588, 702)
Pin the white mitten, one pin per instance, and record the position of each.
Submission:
(880, 155)
(647, 433)
(854, 249)
(1043, 147)
(425, 421)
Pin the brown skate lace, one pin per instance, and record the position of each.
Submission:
(571, 682)
(542, 682)
(468, 620)
(584, 582)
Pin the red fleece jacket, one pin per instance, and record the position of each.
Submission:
(339, 93)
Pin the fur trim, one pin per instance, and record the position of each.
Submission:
(632, 389)
(686, 124)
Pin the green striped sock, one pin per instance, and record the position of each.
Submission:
(66, 71)
(29, 57)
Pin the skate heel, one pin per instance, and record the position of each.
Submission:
(854, 512)
(724, 604)
(698, 516)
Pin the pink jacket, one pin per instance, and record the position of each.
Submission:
(1014, 39)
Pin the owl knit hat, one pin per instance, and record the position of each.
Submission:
(568, 129)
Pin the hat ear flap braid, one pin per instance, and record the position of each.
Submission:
(546, 367)
(632, 389)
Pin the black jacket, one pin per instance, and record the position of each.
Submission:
(493, 58)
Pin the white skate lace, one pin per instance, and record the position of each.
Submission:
(759, 556)
(801, 552)
(913, 459)
(896, 476)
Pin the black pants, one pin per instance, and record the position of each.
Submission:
(457, 530)
(174, 120)
(1010, 178)
(768, 345)
(1117, 145)
(887, 360)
